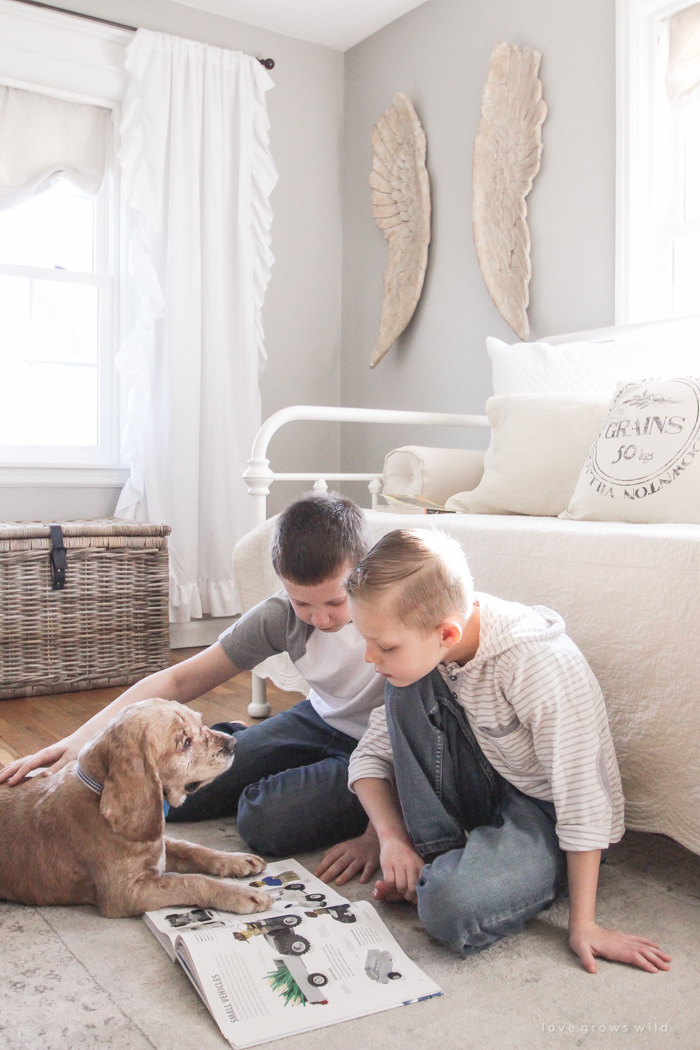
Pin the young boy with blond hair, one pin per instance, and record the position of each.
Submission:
(490, 774)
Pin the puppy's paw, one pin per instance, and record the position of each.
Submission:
(247, 901)
(238, 864)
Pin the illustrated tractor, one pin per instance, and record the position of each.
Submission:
(339, 912)
(278, 932)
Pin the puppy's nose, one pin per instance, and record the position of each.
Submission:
(230, 744)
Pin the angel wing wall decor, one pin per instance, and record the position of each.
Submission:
(507, 152)
(401, 209)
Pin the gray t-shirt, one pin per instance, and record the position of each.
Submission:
(344, 688)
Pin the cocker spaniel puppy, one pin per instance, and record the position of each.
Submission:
(93, 832)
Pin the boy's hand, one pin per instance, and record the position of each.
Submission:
(589, 940)
(56, 756)
(345, 860)
(401, 868)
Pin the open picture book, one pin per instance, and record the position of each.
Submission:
(403, 504)
(314, 959)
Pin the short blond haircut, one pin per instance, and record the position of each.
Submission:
(424, 573)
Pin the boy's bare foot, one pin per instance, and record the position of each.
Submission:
(386, 891)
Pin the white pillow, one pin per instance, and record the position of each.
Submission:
(644, 466)
(436, 473)
(588, 369)
(539, 442)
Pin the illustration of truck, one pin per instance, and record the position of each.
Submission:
(307, 984)
(339, 912)
(193, 920)
(378, 966)
(295, 893)
(278, 932)
(287, 887)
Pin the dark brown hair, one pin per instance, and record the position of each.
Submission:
(316, 537)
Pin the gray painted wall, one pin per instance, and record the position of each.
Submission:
(439, 56)
(302, 308)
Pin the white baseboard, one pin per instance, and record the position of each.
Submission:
(199, 632)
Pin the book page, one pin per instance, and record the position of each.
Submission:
(287, 881)
(408, 503)
(301, 969)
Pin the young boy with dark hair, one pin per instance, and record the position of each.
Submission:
(288, 782)
(490, 774)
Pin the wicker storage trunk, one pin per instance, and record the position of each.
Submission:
(107, 625)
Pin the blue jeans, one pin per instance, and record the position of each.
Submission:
(288, 786)
(499, 862)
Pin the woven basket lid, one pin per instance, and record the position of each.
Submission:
(20, 530)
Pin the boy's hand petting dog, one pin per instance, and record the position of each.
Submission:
(344, 861)
(589, 940)
(50, 759)
(401, 868)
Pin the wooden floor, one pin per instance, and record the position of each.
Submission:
(28, 724)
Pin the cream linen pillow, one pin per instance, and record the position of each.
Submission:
(644, 466)
(539, 443)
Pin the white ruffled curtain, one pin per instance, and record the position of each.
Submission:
(44, 139)
(683, 72)
(198, 172)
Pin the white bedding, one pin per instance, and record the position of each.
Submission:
(630, 596)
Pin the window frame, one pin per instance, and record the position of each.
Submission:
(640, 256)
(70, 58)
(103, 277)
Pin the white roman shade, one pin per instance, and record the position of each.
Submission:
(44, 139)
(683, 73)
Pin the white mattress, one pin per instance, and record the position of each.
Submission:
(630, 596)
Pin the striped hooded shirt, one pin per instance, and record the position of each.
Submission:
(539, 716)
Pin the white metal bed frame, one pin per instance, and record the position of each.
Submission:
(259, 476)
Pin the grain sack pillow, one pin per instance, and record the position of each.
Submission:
(644, 466)
(539, 443)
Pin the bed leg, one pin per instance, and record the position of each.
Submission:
(259, 707)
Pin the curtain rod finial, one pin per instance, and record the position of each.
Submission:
(269, 63)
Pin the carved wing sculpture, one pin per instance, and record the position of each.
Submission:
(507, 152)
(401, 209)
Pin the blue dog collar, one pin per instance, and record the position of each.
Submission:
(89, 782)
(98, 788)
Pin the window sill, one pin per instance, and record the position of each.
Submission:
(29, 475)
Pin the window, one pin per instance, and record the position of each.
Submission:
(56, 302)
(62, 268)
(658, 236)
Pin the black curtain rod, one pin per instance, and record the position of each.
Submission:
(269, 63)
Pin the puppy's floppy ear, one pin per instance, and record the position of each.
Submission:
(132, 797)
